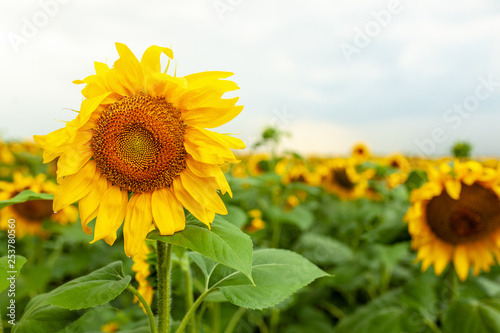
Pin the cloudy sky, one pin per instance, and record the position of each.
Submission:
(409, 76)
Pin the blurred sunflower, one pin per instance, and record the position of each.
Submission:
(403, 167)
(360, 152)
(258, 164)
(256, 223)
(141, 269)
(295, 171)
(29, 215)
(341, 178)
(6, 156)
(455, 216)
(138, 150)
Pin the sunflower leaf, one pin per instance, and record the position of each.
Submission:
(277, 274)
(224, 243)
(475, 316)
(96, 288)
(10, 266)
(24, 196)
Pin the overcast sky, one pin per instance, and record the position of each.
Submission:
(409, 76)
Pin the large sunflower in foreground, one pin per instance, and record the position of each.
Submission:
(138, 150)
(455, 216)
(31, 214)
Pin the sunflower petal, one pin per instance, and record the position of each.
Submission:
(89, 204)
(150, 60)
(461, 262)
(138, 220)
(111, 212)
(453, 187)
(75, 187)
(168, 213)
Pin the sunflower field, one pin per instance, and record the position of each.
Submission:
(204, 240)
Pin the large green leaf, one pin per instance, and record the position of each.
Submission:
(277, 274)
(96, 288)
(383, 315)
(25, 196)
(45, 318)
(323, 250)
(224, 243)
(471, 315)
(9, 265)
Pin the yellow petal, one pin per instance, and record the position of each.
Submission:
(138, 220)
(204, 96)
(442, 253)
(453, 187)
(150, 60)
(127, 71)
(75, 187)
(198, 80)
(461, 262)
(89, 204)
(193, 206)
(111, 212)
(203, 191)
(211, 117)
(168, 213)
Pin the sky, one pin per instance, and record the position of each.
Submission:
(400, 75)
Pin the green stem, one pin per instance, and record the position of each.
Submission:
(192, 310)
(164, 259)
(152, 323)
(234, 320)
(215, 317)
(275, 238)
(275, 319)
(433, 327)
(188, 278)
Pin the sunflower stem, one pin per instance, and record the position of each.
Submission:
(164, 260)
(189, 290)
(234, 320)
(192, 310)
(152, 323)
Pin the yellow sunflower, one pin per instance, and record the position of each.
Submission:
(29, 215)
(256, 223)
(360, 152)
(139, 151)
(339, 176)
(455, 216)
(403, 167)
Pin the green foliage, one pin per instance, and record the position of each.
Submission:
(51, 311)
(10, 266)
(223, 242)
(25, 196)
(461, 149)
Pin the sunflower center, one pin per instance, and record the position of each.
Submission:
(474, 216)
(34, 210)
(340, 177)
(138, 143)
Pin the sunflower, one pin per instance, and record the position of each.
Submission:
(256, 223)
(139, 151)
(141, 269)
(340, 176)
(402, 167)
(258, 164)
(455, 216)
(360, 152)
(29, 215)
